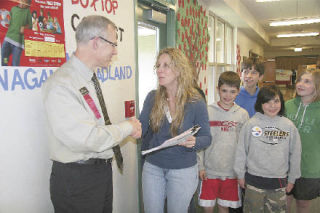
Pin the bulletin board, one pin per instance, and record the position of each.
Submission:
(193, 36)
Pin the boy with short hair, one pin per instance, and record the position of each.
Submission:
(252, 72)
(226, 118)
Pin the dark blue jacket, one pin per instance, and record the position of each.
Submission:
(176, 157)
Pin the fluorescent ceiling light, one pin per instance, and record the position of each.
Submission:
(297, 35)
(266, 0)
(298, 49)
(295, 22)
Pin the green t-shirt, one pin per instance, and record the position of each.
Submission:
(307, 120)
(19, 17)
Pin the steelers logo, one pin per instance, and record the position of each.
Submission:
(256, 131)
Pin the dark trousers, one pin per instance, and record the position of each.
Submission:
(78, 188)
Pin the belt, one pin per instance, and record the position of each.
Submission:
(94, 161)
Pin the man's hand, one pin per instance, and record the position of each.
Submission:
(190, 142)
(242, 183)
(136, 127)
(202, 175)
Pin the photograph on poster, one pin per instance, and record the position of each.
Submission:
(32, 33)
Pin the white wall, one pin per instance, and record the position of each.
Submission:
(24, 163)
(24, 160)
(247, 44)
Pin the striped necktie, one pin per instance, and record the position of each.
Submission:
(116, 149)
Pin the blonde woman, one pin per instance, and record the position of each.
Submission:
(175, 106)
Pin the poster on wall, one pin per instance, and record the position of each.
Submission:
(32, 33)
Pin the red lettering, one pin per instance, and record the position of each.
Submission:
(108, 9)
(115, 6)
(84, 5)
(93, 4)
(111, 6)
(224, 129)
(102, 6)
(227, 124)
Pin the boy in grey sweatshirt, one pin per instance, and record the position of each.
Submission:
(268, 155)
(219, 183)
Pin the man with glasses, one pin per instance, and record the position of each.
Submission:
(82, 138)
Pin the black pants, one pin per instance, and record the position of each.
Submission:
(78, 188)
(237, 210)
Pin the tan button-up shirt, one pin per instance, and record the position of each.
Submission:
(74, 131)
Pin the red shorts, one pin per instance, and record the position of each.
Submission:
(227, 192)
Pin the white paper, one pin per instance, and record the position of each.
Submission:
(176, 140)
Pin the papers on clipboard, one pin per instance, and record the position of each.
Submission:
(176, 140)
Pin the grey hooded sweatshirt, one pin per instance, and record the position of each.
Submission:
(268, 147)
(217, 160)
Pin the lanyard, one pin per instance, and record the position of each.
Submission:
(85, 93)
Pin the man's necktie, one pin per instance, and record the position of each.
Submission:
(116, 149)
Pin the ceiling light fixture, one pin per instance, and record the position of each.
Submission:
(298, 49)
(295, 22)
(297, 35)
(266, 0)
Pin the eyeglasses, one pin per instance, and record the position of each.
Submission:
(109, 42)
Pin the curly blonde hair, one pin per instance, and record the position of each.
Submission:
(186, 91)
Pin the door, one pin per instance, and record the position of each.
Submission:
(269, 77)
(155, 25)
(148, 47)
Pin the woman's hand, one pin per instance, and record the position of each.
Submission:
(189, 143)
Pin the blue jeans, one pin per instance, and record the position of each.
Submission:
(7, 50)
(177, 185)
